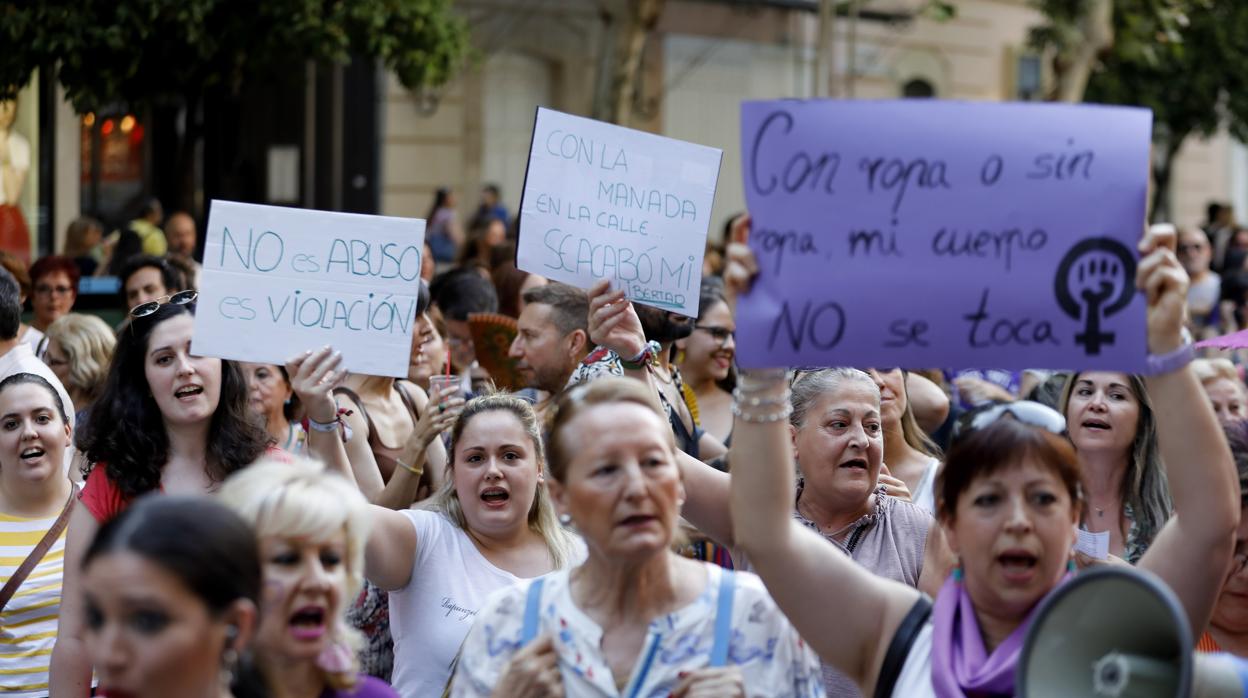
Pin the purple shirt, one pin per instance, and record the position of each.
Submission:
(367, 687)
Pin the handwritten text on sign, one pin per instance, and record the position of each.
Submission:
(944, 234)
(606, 202)
(278, 281)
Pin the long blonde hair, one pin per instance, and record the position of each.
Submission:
(542, 518)
(301, 499)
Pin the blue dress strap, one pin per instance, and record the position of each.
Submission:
(532, 611)
(723, 619)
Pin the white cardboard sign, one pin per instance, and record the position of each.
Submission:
(277, 281)
(607, 202)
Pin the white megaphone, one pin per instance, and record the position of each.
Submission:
(1120, 632)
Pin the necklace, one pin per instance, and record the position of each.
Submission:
(658, 372)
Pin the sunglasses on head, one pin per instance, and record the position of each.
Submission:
(179, 298)
(1033, 414)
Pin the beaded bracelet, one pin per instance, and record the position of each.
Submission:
(741, 398)
(769, 418)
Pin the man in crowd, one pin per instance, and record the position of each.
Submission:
(141, 236)
(182, 238)
(145, 278)
(553, 337)
(1195, 254)
(459, 293)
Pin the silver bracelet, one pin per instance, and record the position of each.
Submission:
(769, 418)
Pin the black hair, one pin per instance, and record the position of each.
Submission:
(423, 298)
(10, 306)
(439, 200)
(127, 433)
(170, 276)
(36, 379)
(1212, 210)
(149, 206)
(493, 189)
(461, 292)
(203, 543)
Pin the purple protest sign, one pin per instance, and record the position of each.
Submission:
(944, 234)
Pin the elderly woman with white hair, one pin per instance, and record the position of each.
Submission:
(312, 526)
(1224, 388)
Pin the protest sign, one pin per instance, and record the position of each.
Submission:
(277, 281)
(944, 234)
(606, 202)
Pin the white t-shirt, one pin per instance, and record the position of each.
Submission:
(34, 338)
(915, 678)
(429, 618)
(925, 495)
(773, 659)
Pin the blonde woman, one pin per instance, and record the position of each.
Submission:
(312, 526)
(490, 526)
(78, 351)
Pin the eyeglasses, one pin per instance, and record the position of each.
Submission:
(719, 334)
(179, 298)
(1030, 413)
(45, 290)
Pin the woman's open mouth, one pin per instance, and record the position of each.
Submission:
(1096, 425)
(855, 464)
(188, 392)
(308, 623)
(1017, 565)
(495, 497)
(637, 520)
(32, 454)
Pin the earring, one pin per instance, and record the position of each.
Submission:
(1071, 566)
(229, 657)
(957, 571)
(565, 519)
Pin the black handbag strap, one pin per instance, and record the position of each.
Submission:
(899, 648)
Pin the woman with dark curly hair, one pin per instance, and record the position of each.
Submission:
(167, 421)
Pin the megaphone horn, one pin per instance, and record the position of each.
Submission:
(1119, 632)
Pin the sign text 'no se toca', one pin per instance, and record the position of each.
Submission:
(944, 234)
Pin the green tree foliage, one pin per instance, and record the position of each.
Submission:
(142, 51)
(1184, 59)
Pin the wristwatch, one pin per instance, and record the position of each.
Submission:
(648, 353)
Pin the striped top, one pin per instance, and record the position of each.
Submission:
(28, 623)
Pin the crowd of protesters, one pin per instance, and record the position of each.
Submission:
(605, 506)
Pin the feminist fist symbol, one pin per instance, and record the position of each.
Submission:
(1094, 282)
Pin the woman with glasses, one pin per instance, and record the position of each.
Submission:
(54, 286)
(1008, 499)
(1113, 426)
(705, 359)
